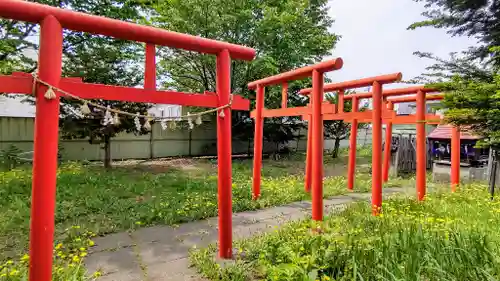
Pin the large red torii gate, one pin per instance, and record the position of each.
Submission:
(52, 21)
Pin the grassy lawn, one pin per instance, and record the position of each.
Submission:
(92, 201)
(130, 197)
(447, 237)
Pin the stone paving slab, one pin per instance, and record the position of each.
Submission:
(115, 265)
(163, 271)
(161, 252)
(112, 242)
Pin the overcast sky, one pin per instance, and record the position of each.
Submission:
(375, 40)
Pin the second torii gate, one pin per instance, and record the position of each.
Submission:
(317, 107)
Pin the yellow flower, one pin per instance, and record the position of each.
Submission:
(14, 272)
(97, 274)
(76, 259)
(82, 249)
(84, 254)
(59, 246)
(91, 243)
(26, 257)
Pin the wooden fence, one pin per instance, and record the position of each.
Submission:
(403, 156)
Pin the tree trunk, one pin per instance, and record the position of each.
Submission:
(107, 152)
(336, 147)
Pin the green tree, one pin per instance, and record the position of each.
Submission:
(475, 104)
(473, 18)
(95, 58)
(286, 34)
(469, 79)
(17, 45)
(100, 59)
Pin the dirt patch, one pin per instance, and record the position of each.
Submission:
(335, 170)
(161, 165)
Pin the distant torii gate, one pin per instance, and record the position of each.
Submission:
(316, 109)
(419, 119)
(389, 117)
(408, 119)
(376, 116)
(52, 21)
(429, 119)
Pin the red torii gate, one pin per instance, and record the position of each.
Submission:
(429, 119)
(52, 21)
(419, 120)
(365, 116)
(317, 106)
(409, 119)
(376, 116)
(390, 117)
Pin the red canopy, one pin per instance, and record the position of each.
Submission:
(444, 132)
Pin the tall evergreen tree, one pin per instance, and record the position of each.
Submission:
(471, 80)
(479, 19)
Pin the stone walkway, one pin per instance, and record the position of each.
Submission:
(161, 252)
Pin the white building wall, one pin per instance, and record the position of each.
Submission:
(14, 107)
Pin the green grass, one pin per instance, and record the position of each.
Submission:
(92, 201)
(69, 254)
(447, 237)
(128, 198)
